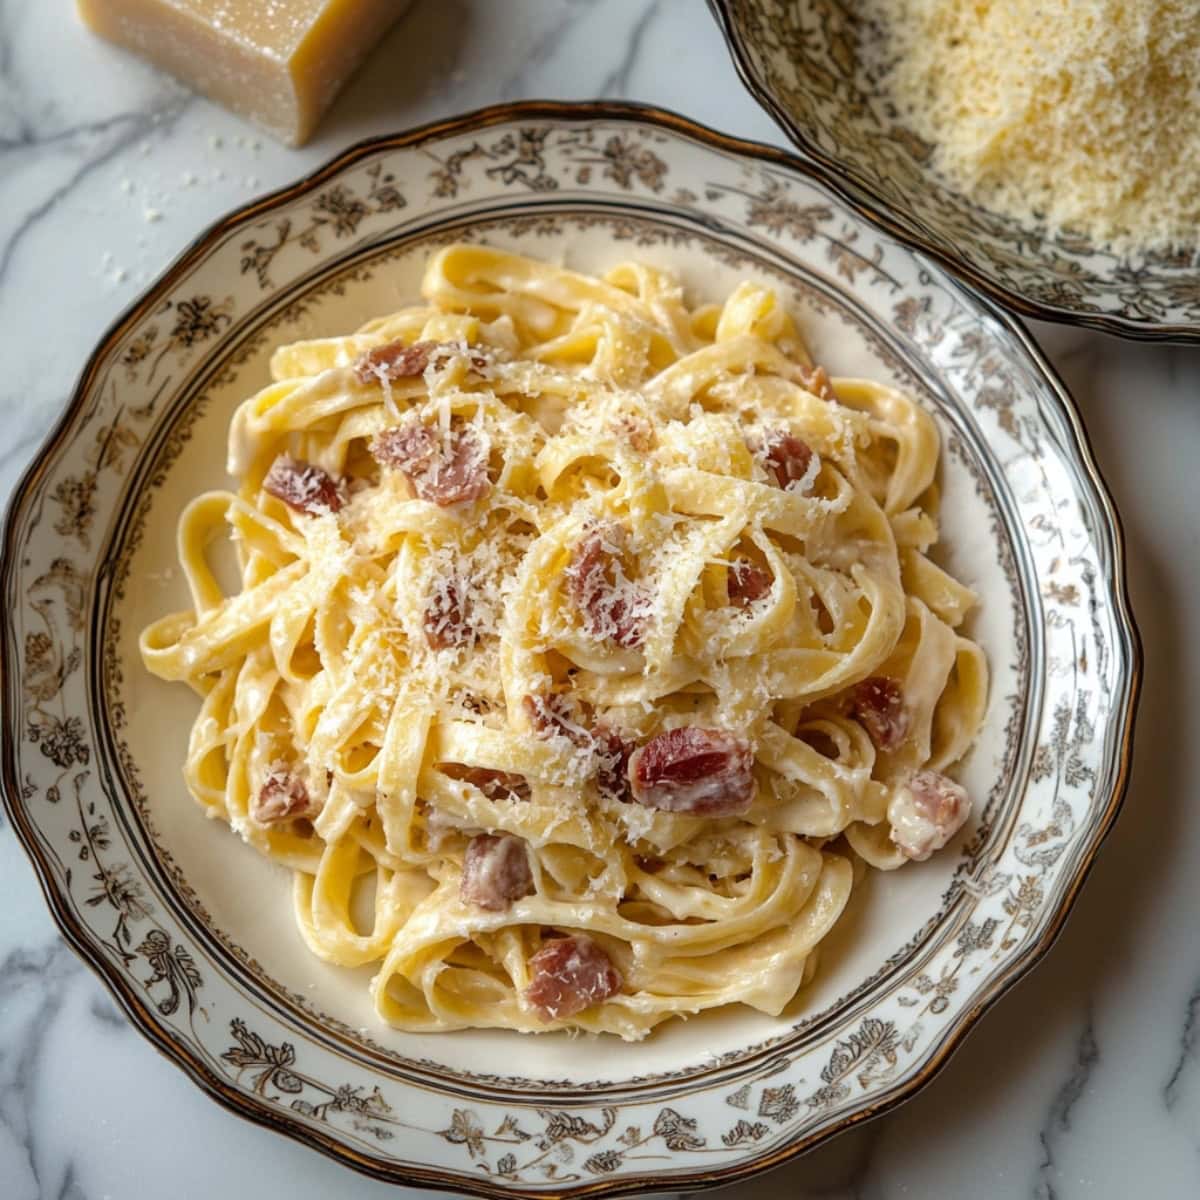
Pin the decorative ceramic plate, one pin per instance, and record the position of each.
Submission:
(193, 932)
(799, 60)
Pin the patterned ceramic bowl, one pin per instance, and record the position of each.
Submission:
(193, 932)
(798, 59)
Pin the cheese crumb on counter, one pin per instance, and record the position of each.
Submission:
(1084, 114)
(278, 62)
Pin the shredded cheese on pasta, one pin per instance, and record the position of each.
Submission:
(584, 641)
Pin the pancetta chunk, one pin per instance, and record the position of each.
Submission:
(495, 871)
(787, 459)
(926, 813)
(495, 785)
(569, 974)
(613, 752)
(877, 704)
(701, 772)
(442, 468)
(613, 606)
(302, 486)
(282, 797)
(746, 583)
(446, 619)
(398, 360)
(553, 714)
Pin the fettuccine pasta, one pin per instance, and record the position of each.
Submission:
(587, 647)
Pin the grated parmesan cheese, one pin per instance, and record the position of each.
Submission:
(1083, 114)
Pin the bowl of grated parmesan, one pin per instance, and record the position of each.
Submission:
(1046, 150)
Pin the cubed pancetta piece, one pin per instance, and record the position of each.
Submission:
(446, 615)
(494, 784)
(877, 704)
(282, 797)
(552, 714)
(569, 974)
(926, 813)
(612, 605)
(613, 751)
(700, 772)
(495, 871)
(747, 583)
(787, 459)
(398, 360)
(302, 486)
(443, 468)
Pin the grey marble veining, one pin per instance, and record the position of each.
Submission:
(1176, 1084)
(1082, 1084)
(1057, 1124)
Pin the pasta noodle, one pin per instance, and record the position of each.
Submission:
(585, 640)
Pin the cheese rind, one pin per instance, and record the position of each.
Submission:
(278, 62)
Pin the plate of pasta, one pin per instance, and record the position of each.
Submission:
(547, 580)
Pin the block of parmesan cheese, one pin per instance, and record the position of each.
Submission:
(278, 62)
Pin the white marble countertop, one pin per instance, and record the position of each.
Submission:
(1082, 1083)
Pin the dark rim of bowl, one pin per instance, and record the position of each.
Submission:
(259, 1111)
(867, 201)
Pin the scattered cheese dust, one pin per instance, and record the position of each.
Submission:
(1084, 114)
